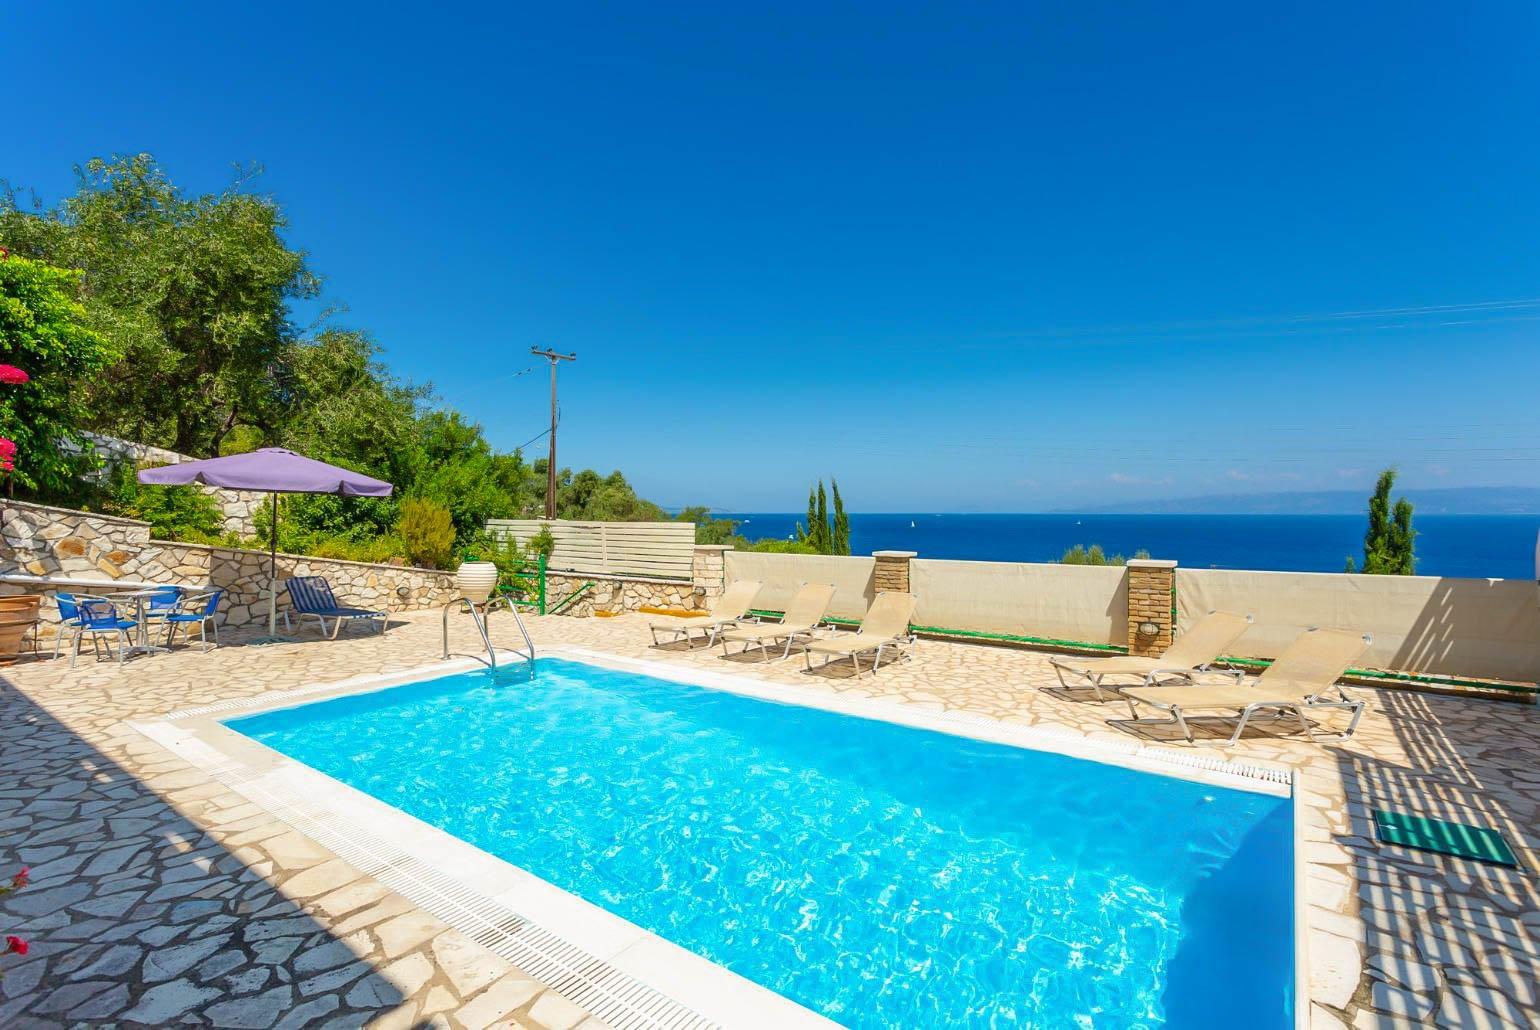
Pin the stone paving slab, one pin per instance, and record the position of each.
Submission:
(161, 897)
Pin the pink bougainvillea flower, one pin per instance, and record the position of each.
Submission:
(22, 878)
(12, 375)
(7, 454)
(16, 944)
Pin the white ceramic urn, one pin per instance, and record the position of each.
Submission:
(476, 580)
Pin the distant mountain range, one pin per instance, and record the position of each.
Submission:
(1476, 500)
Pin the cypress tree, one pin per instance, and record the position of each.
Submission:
(821, 534)
(808, 534)
(841, 523)
(824, 542)
(1390, 540)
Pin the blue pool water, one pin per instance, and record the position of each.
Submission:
(881, 875)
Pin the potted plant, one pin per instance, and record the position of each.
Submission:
(18, 614)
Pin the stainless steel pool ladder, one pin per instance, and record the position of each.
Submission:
(479, 614)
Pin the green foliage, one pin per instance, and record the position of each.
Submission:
(173, 512)
(542, 543)
(820, 534)
(770, 545)
(709, 530)
(586, 495)
(841, 529)
(343, 406)
(1390, 540)
(428, 532)
(1094, 555)
(44, 331)
(463, 473)
(514, 564)
(379, 550)
(191, 290)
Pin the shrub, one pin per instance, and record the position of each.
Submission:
(512, 561)
(44, 332)
(379, 550)
(1094, 555)
(428, 532)
(770, 545)
(173, 512)
(542, 543)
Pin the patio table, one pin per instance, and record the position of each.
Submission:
(139, 597)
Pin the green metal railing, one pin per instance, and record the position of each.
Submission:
(565, 601)
(529, 585)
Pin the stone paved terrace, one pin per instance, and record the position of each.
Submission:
(161, 897)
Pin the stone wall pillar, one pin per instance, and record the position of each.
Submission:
(892, 570)
(708, 570)
(1151, 621)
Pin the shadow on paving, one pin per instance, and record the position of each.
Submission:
(137, 916)
(1448, 939)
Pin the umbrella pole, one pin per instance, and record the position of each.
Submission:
(272, 572)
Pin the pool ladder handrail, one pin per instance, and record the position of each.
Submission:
(479, 614)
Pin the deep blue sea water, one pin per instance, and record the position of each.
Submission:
(882, 875)
(1478, 546)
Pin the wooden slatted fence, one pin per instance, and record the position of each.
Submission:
(658, 550)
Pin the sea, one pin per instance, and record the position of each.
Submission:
(1473, 546)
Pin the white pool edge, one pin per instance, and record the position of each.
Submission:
(622, 973)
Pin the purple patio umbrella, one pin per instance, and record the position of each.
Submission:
(275, 471)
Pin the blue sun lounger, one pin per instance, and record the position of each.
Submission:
(312, 596)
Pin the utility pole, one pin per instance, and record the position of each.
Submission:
(550, 471)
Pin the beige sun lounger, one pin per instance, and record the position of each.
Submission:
(803, 612)
(730, 609)
(1192, 652)
(886, 625)
(1302, 679)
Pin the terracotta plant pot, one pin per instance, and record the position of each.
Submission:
(18, 614)
(476, 580)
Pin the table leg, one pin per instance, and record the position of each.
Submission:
(144, 646)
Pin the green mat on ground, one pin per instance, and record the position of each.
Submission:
(1445, 838)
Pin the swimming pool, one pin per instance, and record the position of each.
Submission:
(878, 874)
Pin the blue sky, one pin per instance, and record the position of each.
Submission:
(1003, 258)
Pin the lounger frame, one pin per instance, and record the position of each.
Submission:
(1282, 710)
(794, 636)
(1151, 678)
(713, 626)
(899, 644)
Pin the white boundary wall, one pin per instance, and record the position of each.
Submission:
(782, 574)
(1063, 602)
(1476, 628)
(661, 550)
(1483, 628)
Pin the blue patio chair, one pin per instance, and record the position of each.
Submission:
(99, 616)
(162, 603)
(312, 595)
(195, 610)
(69, 617)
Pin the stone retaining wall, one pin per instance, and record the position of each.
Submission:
(42, 541)
(36, 540)
(614, 594)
